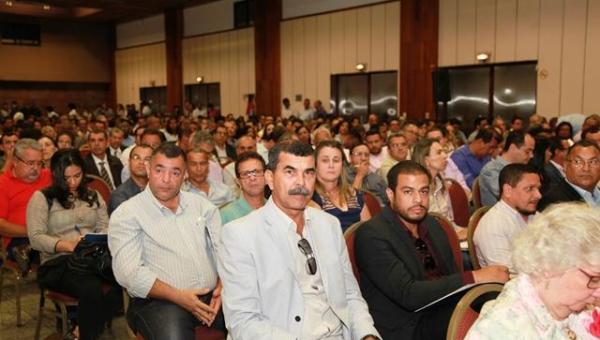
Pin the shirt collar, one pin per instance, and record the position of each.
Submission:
(507, 208)
(98, 160)
(559, 167)
(183, 203)
(594, 195)
(278, 215)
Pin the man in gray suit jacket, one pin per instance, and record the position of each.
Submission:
(285, 268)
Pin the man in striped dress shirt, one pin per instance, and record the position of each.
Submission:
(162, 242)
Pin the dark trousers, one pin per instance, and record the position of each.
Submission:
(435, 319)
(158, 319)
(98, 300)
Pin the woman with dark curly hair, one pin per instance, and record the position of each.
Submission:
(57, 219)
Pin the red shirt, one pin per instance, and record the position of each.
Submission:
(15, 195)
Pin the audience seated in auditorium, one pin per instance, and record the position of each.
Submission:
(101, 164)
(397, 151)
(582, 174)
(23, 176)
(518, 148)
(430, 154)
(470, 158)
(58, 217)
(249, 170)
(361, 176)
(558, 261)
(169, 273)
(520, 187)
(65, 140)
(285, 268)
(406, 261)
(333, 191)
(139, 160)
(198, 181)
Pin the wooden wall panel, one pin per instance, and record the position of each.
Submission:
(562, 35)
(506, 31)
(485, 29)
(447, 32)
(226, 58)
(392, 26)
(465, 42)
(139, 67)
(573, 56)
(592, 55)
(528, 23)
(313, 48)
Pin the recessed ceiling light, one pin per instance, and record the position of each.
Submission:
(46, 7)
(8, 3)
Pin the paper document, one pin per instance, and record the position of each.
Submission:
(463, 288)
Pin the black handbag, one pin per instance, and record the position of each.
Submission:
(92, 258)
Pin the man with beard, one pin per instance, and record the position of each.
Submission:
(405, 261)
(285, 268)
(520, 187)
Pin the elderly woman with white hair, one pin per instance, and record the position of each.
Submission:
(553, 297)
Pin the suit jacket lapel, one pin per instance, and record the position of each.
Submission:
(398, 230)
(278, 236)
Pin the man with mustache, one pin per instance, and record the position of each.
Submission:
(520, 187)
(285, 268)
(405, 261)
(582, 175)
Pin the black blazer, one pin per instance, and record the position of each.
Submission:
(122, 147)
(392, 277)
(114, 164)
(559, 191)
(551, 175)
(229, 150)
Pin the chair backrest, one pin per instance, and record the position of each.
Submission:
(473, 222)
(372, 203)
(468, 308)
(452, 239)
(349, 237)
(460, 203)
(98, 184)
(476, 194)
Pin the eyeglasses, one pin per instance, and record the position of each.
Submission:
(30, 164)
(594, 282)
(138, 158)
(360, 154)
(428, 261)
(306, 249)
(252, 173)
(580, 163)
(398, 146)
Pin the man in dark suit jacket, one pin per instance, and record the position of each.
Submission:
(98, 141)
(406, 262)
(554, 170)
(115, 142)
(582, 173)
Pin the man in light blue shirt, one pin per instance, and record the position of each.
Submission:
(518, 149)
(198, 182)
(471, 158)
(250, 174)
(164, 243)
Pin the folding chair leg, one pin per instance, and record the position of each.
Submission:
(18, 281)
(64, 317)
(40, 316)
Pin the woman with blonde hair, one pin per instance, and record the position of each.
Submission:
(553, 296)
(430, 154)
(333, 193)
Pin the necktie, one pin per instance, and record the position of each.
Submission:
(104, 175)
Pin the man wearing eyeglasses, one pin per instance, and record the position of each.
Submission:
(22, 178)
(250, 173)
(405, 261)
(582, 174)
(285, 268)
(139, 158)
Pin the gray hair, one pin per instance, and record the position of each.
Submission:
(25, 144)
(564, 236)
(202, 137)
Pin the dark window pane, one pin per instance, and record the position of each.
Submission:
(514, 90)
(384, 97)
(353, 91)
(469, 93)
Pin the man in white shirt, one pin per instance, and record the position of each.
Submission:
(377, 149)
(307, 112)
(163, 246)
(285, 268)
(520, 187)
